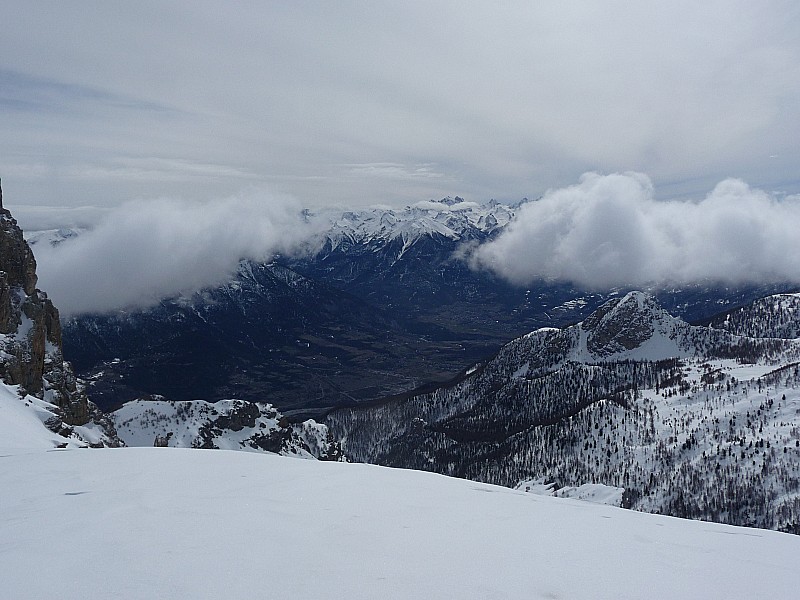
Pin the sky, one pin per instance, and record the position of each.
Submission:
(357, 103)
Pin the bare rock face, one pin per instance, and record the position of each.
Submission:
(622, 324)
(30, 337)
(16, 258)
(6, 311)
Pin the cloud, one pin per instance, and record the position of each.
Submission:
(394, 171)
(141, 252)
(459, 206)
(38, 218)
(26, 93)
(609, 230)
(443, 207)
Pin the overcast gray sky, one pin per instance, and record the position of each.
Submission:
(375, 102)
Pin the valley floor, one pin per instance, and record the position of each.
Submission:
(175, 523)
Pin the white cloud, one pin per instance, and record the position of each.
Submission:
(141, 252)
(459, 206)
(393, 171)
(609, 230)
(431, 205)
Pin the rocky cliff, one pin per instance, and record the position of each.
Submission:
(30, 341)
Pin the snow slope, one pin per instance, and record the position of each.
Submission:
(22, 424)
(22, 421)
(181, 523)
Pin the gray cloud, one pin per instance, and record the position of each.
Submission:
(609, 230)
(38, 218)
(141, 252)
(196, 99)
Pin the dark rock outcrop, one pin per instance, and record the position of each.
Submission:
(622, 324)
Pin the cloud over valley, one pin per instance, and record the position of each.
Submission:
(610, 230)
(602, 232)
(142, 252)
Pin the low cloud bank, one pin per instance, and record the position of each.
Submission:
(609, 230)
(605, 231)
(142, 252)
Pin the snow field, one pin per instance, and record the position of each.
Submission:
(179, 523)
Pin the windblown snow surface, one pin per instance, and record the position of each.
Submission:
(182, 523)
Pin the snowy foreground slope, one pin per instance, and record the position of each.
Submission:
(183, 523)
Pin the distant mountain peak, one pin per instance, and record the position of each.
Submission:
(628, 323)
(450, 201)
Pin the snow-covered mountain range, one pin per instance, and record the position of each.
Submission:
(380, 302)
(691, 421)
(450, 218)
